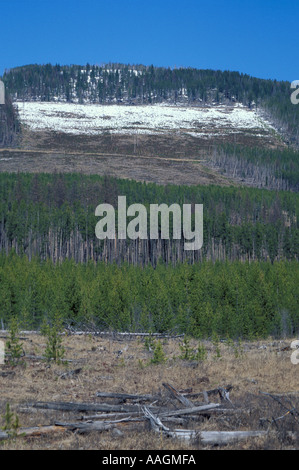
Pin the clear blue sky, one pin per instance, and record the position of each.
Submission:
(258, 37)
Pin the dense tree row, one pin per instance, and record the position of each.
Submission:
(121, 83)
(53, 216)
(265, 168)
(244, 300)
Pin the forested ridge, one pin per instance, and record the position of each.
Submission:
(139, 84)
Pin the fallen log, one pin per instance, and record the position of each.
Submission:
(121, 334)
(226, 437)
(42, 358)
(205, 397)
(84, 407)
(100, 426)
(83, 427)
(124, 396)
(293, 411)
(174, 393)
(70, 373)
(104, 416)
(204, 437)
(33, 431)
(7, 373)
(20, 338)
(214, 391)
(131, 417)
(170, 418)
(192, 410)
(22, 332)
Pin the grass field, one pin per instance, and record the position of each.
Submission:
(249, 367)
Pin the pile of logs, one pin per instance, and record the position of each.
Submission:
(129, 410)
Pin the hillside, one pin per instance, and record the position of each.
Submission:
(149, 228)
(138, 84)
(207, 138)
(153, 124)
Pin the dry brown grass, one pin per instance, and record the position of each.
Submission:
(161, 159)
(255, 369)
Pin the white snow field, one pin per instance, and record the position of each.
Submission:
(93, 119)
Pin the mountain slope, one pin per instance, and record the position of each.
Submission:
(138, 84)
(181, 125)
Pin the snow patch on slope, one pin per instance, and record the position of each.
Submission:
(93, 119)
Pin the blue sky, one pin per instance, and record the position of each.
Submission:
(255, 37)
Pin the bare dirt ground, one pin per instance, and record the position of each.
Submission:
(250, 368)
